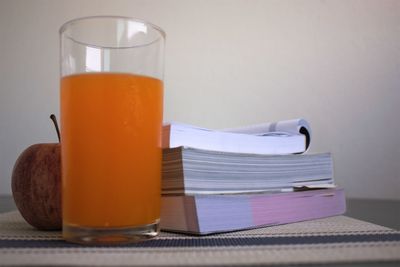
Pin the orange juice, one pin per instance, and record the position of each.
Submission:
(111, 149)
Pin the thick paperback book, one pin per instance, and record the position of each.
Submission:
(188, 170)
(206, 214)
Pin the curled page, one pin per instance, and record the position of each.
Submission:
(294, 126)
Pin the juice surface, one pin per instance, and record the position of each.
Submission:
(111, 149)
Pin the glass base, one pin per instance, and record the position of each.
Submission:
(110, 235)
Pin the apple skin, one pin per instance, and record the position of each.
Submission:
(36, 185)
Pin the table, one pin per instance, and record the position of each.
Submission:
(383, 212)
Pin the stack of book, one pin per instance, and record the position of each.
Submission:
(219, 181)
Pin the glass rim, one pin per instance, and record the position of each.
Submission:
(67, 23)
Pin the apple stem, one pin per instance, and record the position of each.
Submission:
(54, 119)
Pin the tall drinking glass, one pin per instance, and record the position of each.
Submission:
(111, 120)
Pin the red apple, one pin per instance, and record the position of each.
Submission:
(36, 185)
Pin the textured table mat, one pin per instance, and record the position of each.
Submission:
(336, 239)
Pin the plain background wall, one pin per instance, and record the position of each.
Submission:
(232, 63)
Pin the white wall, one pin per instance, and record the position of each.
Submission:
(231, 63)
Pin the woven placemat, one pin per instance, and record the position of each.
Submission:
(336, 239)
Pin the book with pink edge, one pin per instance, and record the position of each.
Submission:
(207, 214)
